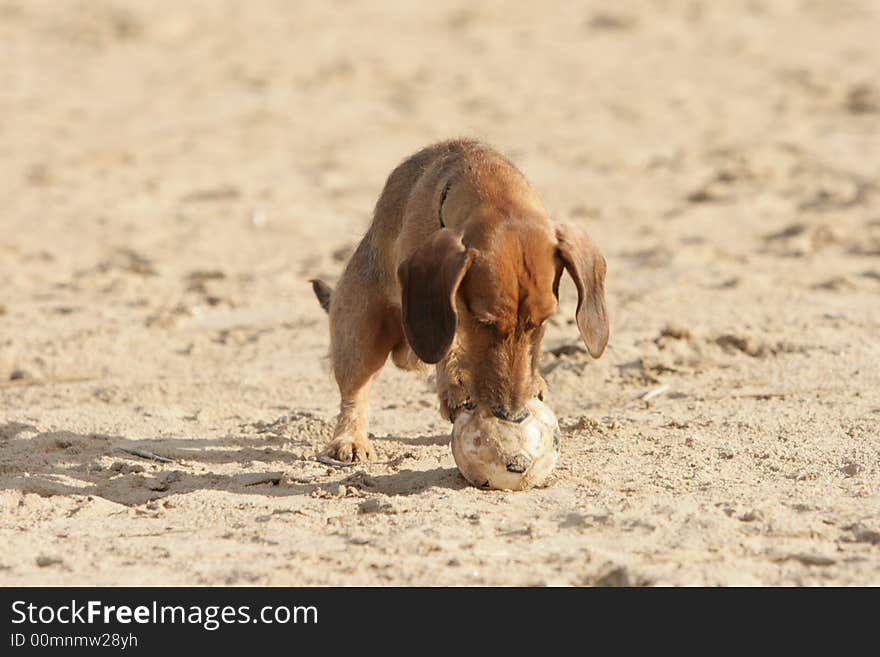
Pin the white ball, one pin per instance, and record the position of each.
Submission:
(492, 453)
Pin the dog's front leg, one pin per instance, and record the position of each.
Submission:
(350, 441)
(363, 330)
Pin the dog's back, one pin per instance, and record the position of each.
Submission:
(445, 185)
(442, 185)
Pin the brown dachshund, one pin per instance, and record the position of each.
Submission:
(461, 268)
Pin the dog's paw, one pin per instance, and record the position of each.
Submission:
(350, 449)
(450, 411)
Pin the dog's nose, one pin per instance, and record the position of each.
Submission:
(507, 416)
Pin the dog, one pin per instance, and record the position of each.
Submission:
(460, 268)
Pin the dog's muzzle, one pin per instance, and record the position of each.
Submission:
(507, 416)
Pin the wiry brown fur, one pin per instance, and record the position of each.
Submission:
(470, 295)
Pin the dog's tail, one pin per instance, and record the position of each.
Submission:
(323, 292)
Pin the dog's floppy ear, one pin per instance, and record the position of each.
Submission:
(429, 279)
(586, 265)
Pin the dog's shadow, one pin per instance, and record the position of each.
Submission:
(406, 482)
(421, 441)
(121, 470)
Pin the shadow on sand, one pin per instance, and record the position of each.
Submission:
(68, 463)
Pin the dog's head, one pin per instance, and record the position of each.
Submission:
(491, 293)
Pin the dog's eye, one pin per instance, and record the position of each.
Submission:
(485, 321)
(530, 325)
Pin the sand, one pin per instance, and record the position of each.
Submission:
(172, 174)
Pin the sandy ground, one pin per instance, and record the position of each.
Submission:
(171, 174)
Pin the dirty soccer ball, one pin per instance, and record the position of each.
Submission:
(493, 453)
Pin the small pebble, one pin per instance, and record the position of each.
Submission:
(614, 578)
(751, 515)
(44, 561)
(376, 506)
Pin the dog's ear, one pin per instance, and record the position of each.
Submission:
(586, 265)
(429, 280)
